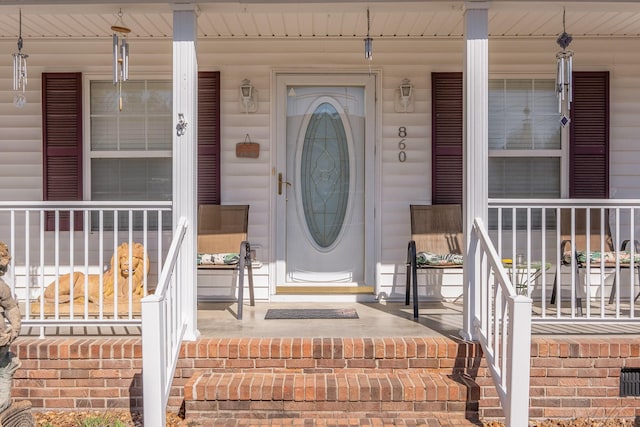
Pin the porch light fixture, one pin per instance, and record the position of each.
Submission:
(20, 70)
(564, 74)
(368, 42)
(120, 55)
(248, 97)
(404, 98)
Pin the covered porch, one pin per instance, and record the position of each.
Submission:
(277, 48)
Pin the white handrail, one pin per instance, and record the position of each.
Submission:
(163, 328)
(504, 328)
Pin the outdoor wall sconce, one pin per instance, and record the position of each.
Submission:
(564, 75)
(120, 55)
(404, 97)
(20, 71)
(248, 97)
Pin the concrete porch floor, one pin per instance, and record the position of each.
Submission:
(376, 320)
(385, 319)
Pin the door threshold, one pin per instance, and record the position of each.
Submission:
(326, 290)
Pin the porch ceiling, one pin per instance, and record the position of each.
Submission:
(58, 19)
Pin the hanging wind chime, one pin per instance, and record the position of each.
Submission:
(20, 71)
(368, 42)
(564, 72)
(120, 55)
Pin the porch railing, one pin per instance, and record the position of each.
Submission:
(67, 247)
(594, 281)
(503, 326)
(163, 328)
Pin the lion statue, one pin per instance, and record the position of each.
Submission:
(119, 271)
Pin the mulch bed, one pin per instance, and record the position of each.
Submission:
(74, 418)
(129, 419)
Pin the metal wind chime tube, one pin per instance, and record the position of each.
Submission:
(120, 55)
(20, 69)
(564, 83)
(368, 42)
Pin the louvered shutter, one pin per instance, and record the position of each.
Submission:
(62, 142)
(447, 164)
(589, 140)
(209, 137)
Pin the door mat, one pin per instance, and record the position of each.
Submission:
(312, 313)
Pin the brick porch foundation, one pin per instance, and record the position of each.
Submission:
(318, 377)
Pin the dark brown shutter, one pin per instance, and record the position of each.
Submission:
(209, 137)
(62, 142)
(589, 140)
(446, 146)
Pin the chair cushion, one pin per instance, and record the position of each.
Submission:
(218, 259)
(624, 257)
(431, 259)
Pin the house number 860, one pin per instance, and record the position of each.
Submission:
(402, 155)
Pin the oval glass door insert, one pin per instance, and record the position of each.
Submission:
(324, 172)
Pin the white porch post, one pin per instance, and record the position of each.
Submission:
(185, 151)
(475, 153)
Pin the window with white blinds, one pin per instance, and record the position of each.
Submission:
(525, 146)
(130, 150)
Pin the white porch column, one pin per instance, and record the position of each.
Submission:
(185, 153)
(475, 153)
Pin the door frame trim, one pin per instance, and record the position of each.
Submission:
(279, 81)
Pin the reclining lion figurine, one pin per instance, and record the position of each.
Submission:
(77, 279)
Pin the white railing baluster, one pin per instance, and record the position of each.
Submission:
(116, 277)
(71, 264)
(57, 263)
(543, 257)
(85, 232)
(632, 269)
(101, 263)
(130, 278)
(27, 253)
(41, 268)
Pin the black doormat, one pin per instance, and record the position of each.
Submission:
(311, 313)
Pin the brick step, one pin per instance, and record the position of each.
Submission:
(349, 420)
(323, 395)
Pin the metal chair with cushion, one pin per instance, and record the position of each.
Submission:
(223, 244)
(436, 243)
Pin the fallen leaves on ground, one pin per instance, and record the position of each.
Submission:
(111, 417)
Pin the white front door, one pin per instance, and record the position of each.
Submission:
(324, 182)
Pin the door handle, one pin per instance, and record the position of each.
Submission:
(280, 182)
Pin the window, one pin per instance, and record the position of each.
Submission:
(129, 151)
(524, 138)
(525, 149)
